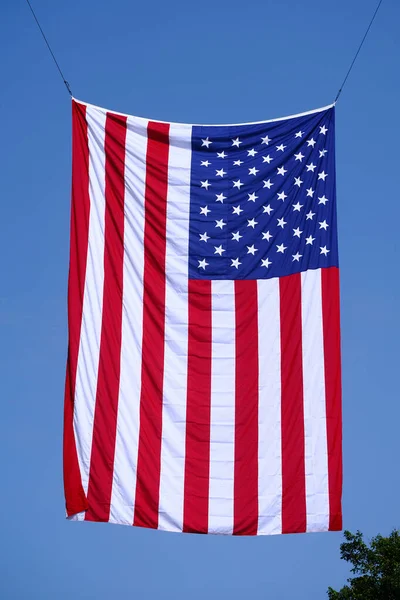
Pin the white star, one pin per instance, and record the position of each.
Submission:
(310, 240)
(281, 222)
(281, 170)
(323, 200)
(282, 196)
(205, 184)
(267, 209)
(310, 192)
(205, 163)
(219, 250)
(221, 224)
(323, 225)
(202, 264)
(322, 153)
(252, 152)
(296, 257)
(311, 142)
(251, 250)
(323, 129)
(324, 250)
(238, 162)
(235, 263)
(297, 181)
(204, 210)
(281, 248)
(204, 237)
(221, 154)
(236, 236)
(252, 197)
(267, 159)
(266, 140)
(310, 215)
(266, 236)
(299, 134)
(220, 173)
(281, 147)
(265, 262)
(268, 184)
(252, 223)
(206, 142)
(299, 156)
(297, 206)
(220, 198)
(253, 171)
(311, 167)
(238, 184)
(236, 142)
(236, 210)
(322, 175)
(297, 232)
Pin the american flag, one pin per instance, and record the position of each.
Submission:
(203, 389)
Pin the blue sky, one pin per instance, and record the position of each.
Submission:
(214, 61)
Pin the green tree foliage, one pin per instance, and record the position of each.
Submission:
(376, 568)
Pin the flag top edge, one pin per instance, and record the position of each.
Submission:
(146, 119)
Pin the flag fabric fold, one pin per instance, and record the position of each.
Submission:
(203, 388)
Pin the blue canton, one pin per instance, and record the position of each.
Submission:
(262, 200)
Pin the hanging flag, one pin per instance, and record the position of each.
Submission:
(203, 389)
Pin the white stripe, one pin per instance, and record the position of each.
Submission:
(222, 429)
(316, 449)
(176, 331)
(302, 114)
(269, 409)
(77, 517)
(89, 345)
(127, 437)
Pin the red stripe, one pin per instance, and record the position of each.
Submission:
(293, 465)
(197, 462)
(333, 391)
(80, 209)
(149, 453)
(105, 416)
(246, 410)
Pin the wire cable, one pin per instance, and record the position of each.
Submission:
(337, 95)
(50, 50)
(358, 51)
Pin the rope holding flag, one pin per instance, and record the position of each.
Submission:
(50, 50)
(358, 51)
(337, 95)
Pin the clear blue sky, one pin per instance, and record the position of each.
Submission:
(211, 61)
